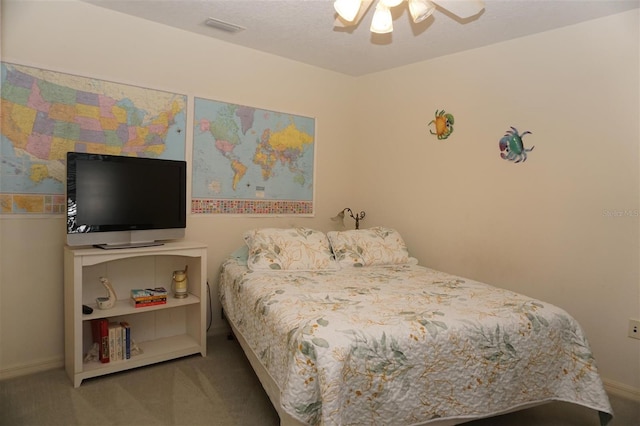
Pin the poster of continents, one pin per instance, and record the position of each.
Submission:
(251, 161)
(46, 114)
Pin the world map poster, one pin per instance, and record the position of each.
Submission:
(251, 161)
(45, 114)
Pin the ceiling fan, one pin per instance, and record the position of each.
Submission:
(350, 12)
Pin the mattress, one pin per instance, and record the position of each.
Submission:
(406, 345)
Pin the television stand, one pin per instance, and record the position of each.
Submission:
(161, 332)
(128, 245)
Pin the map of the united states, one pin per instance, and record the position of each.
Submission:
(47, 114)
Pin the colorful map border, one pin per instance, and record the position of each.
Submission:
(32, 203)
(261, 207)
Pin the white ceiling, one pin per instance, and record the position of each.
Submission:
(303, 30)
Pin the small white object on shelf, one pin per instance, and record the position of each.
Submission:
(109, 301)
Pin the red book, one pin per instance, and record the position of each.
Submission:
(151, 303)
(100, 331)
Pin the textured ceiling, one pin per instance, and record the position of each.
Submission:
(303, 30)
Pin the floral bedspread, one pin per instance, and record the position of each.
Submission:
(405, 345)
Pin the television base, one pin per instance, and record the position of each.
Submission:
(129, 245)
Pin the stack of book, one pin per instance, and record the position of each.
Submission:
(113, 339)
(148, 297)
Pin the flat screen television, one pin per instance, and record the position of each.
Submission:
(119, 201)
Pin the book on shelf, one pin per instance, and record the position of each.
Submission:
(126, 339)
(119, 348)
(113, 349)
(152, 302)
(140, 294)
(113, 339)
(100, 332)
(142, 297)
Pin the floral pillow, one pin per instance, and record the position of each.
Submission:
(368, 247)
(300, 249)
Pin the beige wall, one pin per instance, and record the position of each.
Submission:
(83, 39)
(536, 227)
(541, 227)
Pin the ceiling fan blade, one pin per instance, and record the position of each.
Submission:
(461, 8)
(341, 23)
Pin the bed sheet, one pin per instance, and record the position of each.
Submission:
(405, 345)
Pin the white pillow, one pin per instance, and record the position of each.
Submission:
(368, 247)
(300, 249)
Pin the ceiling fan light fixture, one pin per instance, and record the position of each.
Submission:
(420, 9)
(391, 3)
(382, 21)
(347, 9)
(462, 9)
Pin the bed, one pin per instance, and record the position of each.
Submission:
(345, 328)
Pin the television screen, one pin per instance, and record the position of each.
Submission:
(119, 201)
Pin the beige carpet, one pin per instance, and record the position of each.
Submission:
(219, 390)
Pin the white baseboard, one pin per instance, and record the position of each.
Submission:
(611, 386)
(621, 390)
(53, 363)
(26, 369)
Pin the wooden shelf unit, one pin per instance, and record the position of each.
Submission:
(163, 332)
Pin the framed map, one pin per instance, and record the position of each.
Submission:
(251, 161)
(46, 114)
